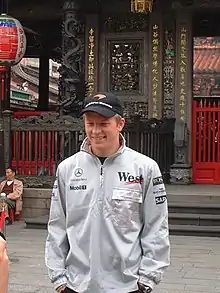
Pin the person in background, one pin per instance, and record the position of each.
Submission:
(108, 224)
(11, 191)
(4, 265)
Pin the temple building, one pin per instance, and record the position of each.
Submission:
(161, 57)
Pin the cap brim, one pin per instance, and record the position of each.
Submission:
(103, 111)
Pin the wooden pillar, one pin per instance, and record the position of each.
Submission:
(43, 102)
(181, 170)
(91, 52)
(155, 65)
(5, 88)
(5, 95)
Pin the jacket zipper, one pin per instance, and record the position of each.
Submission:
(101, 176)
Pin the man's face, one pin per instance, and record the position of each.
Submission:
(103, 133)
(10, 175)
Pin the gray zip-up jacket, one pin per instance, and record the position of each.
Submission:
(108, 225)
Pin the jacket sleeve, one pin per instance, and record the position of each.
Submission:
(17, 191)
(155, 234)
(57, 245)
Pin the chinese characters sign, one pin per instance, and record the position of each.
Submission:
(183, 71)
(155, 69)
(91, 65)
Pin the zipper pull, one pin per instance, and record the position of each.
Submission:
(101, 176)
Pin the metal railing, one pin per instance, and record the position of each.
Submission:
(35, 145)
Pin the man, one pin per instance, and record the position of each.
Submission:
(108, 226)
(4, 265)
(11, 191)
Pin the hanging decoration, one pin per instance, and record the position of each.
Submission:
(141, 6)
(12, 41)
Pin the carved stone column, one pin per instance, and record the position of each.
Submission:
(181, 172)
(72, 82)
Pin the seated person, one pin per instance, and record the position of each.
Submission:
(11, 191)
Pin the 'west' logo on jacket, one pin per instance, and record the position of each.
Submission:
(130, 179)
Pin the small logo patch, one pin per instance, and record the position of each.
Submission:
(130, 179)
(79, 187)
(160, 199)
(78, 172)
(157, 181)
(99, 96)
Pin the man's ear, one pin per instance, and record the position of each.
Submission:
(121, 124)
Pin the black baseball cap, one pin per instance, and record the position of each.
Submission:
(104, 104)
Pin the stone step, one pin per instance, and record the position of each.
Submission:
(194, 219)
(37, 223)
(193, 230)
(207, 194)
(194, 208)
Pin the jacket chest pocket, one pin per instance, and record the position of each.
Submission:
(126, 205)
(122, 194)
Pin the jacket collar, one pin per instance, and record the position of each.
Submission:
(86, 146)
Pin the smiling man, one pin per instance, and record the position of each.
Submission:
(108, 226)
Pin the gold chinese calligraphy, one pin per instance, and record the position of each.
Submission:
(183, 71)
(155, 69)
(91, 63)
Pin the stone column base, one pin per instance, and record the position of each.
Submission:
(181, 174)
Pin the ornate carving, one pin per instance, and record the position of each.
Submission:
(72, 82)
(169, 74)
(124, 66)
(37, 181)
(47, 122)
(206, 3)
(128, 22)
(181, 174)
(134, 108)
(181, 171)
(180, 155)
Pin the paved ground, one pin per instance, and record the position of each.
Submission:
(195, 263)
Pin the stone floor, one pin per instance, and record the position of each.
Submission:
(195, 263)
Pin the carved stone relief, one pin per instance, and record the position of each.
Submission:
(127, 22)
(181, 175)
(47, 122)
(72, 86)
(125, 66)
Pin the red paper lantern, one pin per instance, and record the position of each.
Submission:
(12, 41)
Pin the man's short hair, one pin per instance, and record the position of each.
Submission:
(12, 169)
